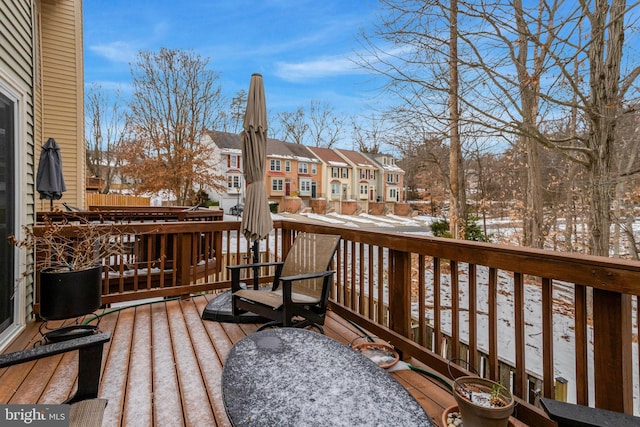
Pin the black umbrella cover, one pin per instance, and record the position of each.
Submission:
(49, 180)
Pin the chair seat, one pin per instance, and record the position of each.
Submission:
(273, 298)
(87, 413)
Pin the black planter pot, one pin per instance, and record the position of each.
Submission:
(68, 294)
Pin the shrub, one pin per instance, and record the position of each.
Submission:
(473, 231)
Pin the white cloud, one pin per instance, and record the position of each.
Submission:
(318, 68)
(116, 51)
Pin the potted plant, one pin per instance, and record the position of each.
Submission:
(68, 263)
(482, 402)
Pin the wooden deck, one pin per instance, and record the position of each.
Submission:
(163, 367)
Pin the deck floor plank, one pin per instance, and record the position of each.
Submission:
(195, 402)
(163, 366)
(166, 391)
(209, 363)
(114, 379)
(138, 405)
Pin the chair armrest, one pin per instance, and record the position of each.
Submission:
(235, 272)
(256, 265)
(89, 361)
(18, 357)
(570, 414)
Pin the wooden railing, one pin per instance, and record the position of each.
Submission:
(440, 299)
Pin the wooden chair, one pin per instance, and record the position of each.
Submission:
(86, 410)
(300, 290)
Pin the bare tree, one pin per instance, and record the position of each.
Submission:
(368, 133)
(325, 127)
(175, 101)
(105, 132)
(293, 126)
(517, 76)
(238, 107)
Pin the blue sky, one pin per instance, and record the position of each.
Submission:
(303, 48)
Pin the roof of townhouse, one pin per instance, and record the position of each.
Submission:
(386, 161)
(329, 156)
(357, 158)
(226, 140)
(302, 152)
(279, 149)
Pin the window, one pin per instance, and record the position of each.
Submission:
(335, 172)
(277, 184)
(303, 167)
(390, 178)
(393, 194)
(335, 190)
(287, 166)
(345, 173)
(363, 173)
(364, 189)
(233, 181)
(305, 186)
(274, 165)
(314, 168)
(233, 161)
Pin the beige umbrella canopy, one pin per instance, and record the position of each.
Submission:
(256, 218)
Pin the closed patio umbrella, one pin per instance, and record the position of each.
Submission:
(49, 179)
(256, 218)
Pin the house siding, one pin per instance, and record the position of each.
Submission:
(62, 90)
(17, 30)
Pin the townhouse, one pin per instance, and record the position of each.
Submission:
(297, 175)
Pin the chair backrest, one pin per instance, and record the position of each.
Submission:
(310, 253)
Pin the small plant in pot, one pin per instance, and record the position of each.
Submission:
(67, 260)
(482, 402)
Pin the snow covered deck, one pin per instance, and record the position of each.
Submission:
(163, 367)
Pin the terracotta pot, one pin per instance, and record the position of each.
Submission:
(476, 415)
(369, 350)
(68, 294)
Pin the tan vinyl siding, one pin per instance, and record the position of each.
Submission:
(63, 90)
(17, 72)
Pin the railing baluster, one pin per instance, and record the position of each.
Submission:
(520, 377)
(370, 277)
(455, 310)
(473, 321)
(437, 320)
(548, 371)
(380, 271)
(361, 264)
(493, 324)
(582, 344)
(422, 321)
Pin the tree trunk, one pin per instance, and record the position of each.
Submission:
(605, 54)
(458, 200)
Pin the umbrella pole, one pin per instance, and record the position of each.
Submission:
(256, 259)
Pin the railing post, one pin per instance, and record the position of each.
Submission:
(400, 292)
(612, 351)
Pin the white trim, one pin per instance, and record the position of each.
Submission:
(18, 94)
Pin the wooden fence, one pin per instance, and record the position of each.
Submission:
(97, 199)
